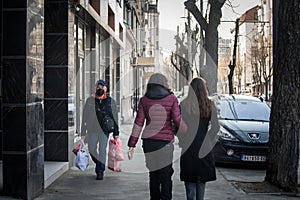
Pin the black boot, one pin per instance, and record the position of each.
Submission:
(99, 176)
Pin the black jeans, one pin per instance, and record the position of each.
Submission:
(159, 157)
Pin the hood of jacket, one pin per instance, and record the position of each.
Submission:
(157, 92)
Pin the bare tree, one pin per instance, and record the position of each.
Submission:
(256, 69)
(285, 113)
(180, 59)
(262, 65)
(266, 67)
(210, 27)
(233, 64)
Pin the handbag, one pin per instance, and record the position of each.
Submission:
(108, 124)
(104, 114)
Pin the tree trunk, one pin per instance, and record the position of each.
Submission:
(211, 46)
(232, 66)
(230, 76)
(210, 72)
(285, 113)
(266, 90)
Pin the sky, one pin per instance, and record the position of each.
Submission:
(172, 11)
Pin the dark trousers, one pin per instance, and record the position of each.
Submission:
(159, 157)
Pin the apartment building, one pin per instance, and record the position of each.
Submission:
(253, 71)
(52, 53)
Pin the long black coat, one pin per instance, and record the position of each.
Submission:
(192, 167)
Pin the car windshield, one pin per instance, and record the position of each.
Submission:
(244, 110)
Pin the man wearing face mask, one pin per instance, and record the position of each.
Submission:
(96, 107)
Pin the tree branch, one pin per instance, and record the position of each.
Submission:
(190, 6)
(173, 63)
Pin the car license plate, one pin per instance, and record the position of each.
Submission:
(253, 158)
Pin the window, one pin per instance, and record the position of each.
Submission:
(120, 32)
(111, 18)
(96, 5)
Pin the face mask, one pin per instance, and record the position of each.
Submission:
(99, 92)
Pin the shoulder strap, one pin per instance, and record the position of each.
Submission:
(109, 101)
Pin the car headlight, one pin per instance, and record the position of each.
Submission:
(225, 135)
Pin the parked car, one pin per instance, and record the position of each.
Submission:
(246, 92)
(244, 129)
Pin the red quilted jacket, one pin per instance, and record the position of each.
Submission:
(159, 109)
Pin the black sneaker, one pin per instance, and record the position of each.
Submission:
(99, 176)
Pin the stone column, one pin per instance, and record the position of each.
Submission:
(56, 80)
(22, 98)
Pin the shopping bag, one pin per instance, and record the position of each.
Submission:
(82, 157)
(113, 164)
(115, 155)
(115, 149)
(76, 149)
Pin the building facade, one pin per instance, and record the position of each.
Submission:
(253, 71)
(225, 54)
(52, 53)
(245, 44)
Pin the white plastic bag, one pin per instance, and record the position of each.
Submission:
(82, 157)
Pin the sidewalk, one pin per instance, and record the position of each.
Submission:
(132, 182)
(77, 185)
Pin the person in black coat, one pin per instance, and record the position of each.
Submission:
(197, 164)
(96, 108)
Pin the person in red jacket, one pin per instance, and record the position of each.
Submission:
(160, 110)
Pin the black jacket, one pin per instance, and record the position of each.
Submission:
(192, 167)
(90, 117)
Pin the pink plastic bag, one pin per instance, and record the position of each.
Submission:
(115, 149)
(114, 165)
(115, 155)
(76, 148)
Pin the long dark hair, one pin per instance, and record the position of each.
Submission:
(197, 101)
